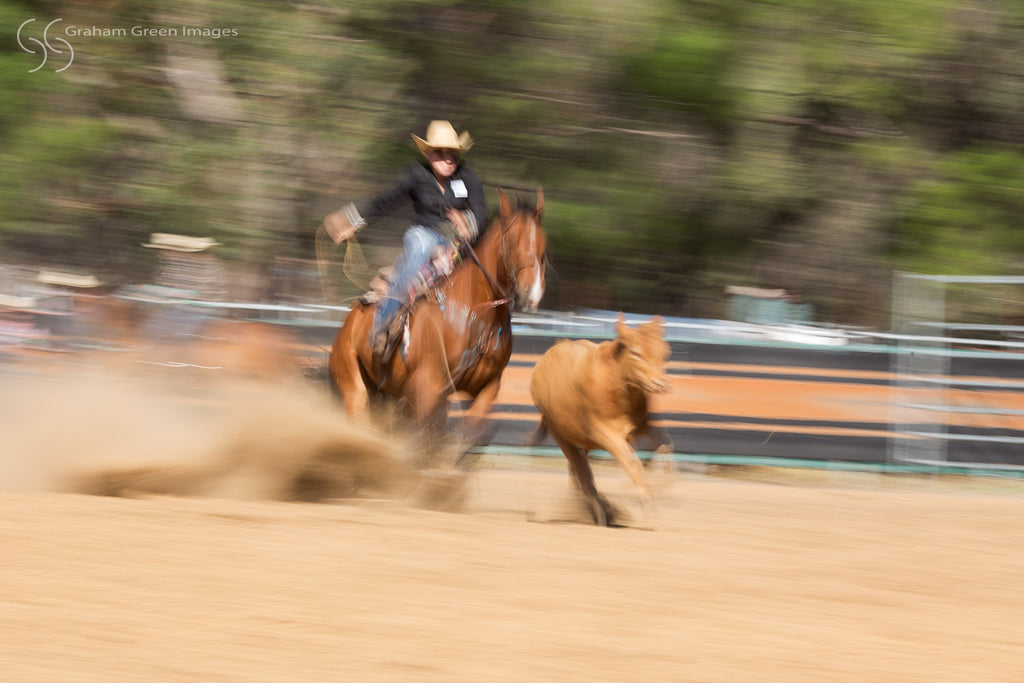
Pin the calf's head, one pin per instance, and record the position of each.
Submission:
(643, 353)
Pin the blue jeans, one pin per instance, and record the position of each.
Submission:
(418, 246)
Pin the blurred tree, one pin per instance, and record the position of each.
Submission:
(684, 145)
(965, 219)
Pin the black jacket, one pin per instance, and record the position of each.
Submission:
(462, 191)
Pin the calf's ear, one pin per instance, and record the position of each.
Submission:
(621, 328)
(619, 348)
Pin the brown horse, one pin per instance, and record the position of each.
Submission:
(457, 338)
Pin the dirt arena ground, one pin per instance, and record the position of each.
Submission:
(207, 568)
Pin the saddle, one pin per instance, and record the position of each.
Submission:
(439, 267)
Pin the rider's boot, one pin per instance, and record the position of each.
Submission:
(386, 328)
(392, 310)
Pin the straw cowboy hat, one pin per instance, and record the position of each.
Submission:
(17, 302)
(166, 240)
(442, 135)
(59, 279)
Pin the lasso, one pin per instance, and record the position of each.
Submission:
(353, 264)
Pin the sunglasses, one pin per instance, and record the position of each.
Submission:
(444, 154)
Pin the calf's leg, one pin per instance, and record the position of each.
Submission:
(612, 441)
(662, 442)
(579, 467)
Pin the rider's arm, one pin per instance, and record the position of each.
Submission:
(344, 223)
(390, 199)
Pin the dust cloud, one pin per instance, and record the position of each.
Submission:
(132, 434)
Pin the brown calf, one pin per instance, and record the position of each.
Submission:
(595, 396)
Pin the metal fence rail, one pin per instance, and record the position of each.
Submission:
(925, 369)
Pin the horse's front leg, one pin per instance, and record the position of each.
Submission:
(344, 369)
(478, 426)
(426, 394)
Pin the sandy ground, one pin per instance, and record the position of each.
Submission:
(208, 569)
(736, 582)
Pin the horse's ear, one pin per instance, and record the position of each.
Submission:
(506, 209)
(540, 203)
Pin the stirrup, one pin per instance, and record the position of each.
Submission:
(379, 345)
(385, 342)
(393, 333)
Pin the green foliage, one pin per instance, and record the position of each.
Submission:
(686, 69)
(966, 219)
(46, 169)
(20, 89)
(682, 144)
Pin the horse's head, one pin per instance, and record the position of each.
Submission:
(525, 246)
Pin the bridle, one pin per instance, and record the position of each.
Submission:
(508, 294)
(505, 296)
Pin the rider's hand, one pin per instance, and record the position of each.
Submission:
(343, 223)
(443, 262)
(458, 219)
(338, 234)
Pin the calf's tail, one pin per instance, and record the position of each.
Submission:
(538, 435)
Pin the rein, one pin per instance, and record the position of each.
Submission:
(503, 293)
(506, 296)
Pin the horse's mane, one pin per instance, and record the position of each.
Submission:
(518, 204)
(521, 204)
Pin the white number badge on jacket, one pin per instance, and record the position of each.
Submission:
(459, 188)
